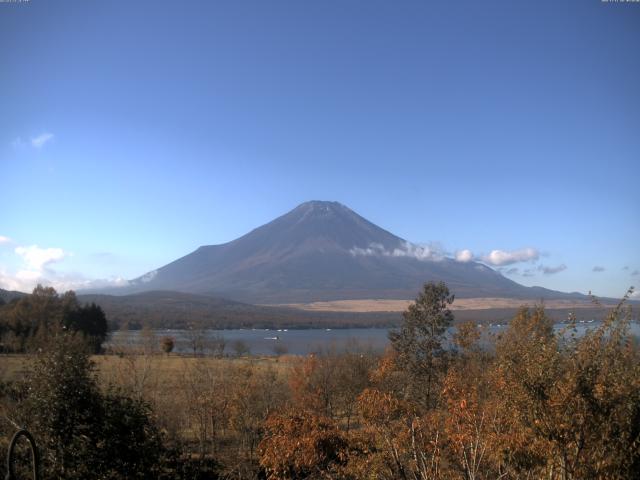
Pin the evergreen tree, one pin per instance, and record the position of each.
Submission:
(418, 343)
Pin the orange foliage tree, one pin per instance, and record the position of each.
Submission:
(300, 445)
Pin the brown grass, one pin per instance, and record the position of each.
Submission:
(114, 369)
(382, 305)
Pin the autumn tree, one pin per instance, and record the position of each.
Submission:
(254, 395)
(470, 414)
(395, 441)
(469, 425)
(352, 378)
(205, 390)
(240, 348)
(329, 383)
(167, 344)
(216, 345)
(572, 402)
(196, 337)
(301, 444)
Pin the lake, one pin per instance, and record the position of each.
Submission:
(291, 341)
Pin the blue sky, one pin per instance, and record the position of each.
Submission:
(133, 132)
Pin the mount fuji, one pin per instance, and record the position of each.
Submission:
(322, 251)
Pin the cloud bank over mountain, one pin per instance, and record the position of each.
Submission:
(407, 249)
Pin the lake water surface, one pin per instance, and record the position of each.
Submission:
(291, 341)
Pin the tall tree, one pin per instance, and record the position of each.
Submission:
(419, 340)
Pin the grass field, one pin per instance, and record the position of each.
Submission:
(382, 305)
(211, 407)
(119, 370)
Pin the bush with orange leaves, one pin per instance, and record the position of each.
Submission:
(471, 425)
(303, 446)
(329, 383)
(571, 403)
(471, 418)
(395, 442)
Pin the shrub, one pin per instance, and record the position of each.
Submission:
(167, 344)
(83, 432)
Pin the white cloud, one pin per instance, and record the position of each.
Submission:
(502, 257)
(464, 256)
(36, 142)
(435, 252)
(13, 282)
(4, 240)
(419, 252)
(372, 249)
(526, 272)
(147, 277)
(37, 258)
(41, 140)
(36, 269)
(424, 253)
(23, 280)
(26, 281)
(62, 283)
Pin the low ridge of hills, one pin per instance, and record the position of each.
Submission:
(164, 309)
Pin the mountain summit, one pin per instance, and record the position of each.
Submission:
(324, 251)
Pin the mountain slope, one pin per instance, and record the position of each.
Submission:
(324, 251)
